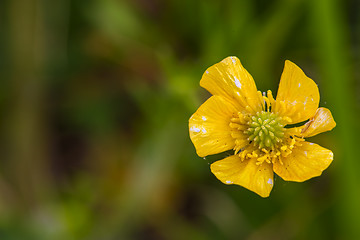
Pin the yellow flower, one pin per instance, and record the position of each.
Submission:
(239, 117)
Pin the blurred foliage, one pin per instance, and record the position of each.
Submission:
(95, 98)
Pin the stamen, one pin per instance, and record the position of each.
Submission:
(260, 160)
(235, 120)
(267, 103)
(287, 120)
(234, 125)
(271, 98)
(261, 99)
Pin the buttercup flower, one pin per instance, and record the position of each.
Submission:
(239, 117)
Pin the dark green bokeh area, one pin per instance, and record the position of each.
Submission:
(95, 98)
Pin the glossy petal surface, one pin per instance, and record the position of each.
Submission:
(322, 121)
(232, 170)
(305, 162)
(230, 79)
(209, 126)
(298, 96)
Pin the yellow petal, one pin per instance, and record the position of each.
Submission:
(256, 178)
(209, 126)
(322, 121)
(230, 79)
(298, 96)
(305, 162)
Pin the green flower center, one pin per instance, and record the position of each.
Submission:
(265, 130)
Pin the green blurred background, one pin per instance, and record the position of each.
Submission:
(95, 98)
